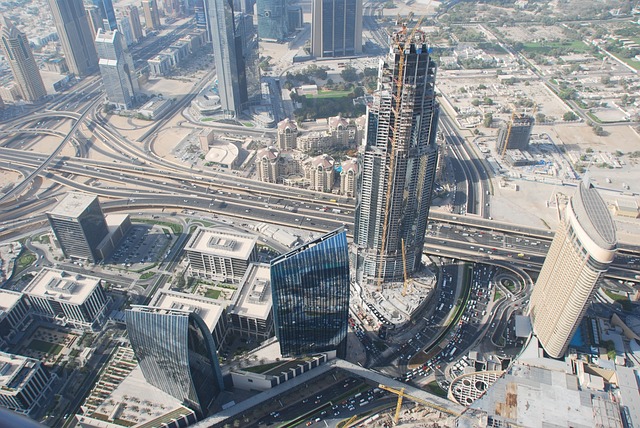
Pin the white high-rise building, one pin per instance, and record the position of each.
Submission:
(582, 250)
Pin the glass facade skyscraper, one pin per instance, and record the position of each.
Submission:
(177, 354)
(227, 54)
(116, 68)
(272, 19)
(336, 28)
(310, 287)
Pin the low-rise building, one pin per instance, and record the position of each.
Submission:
(25, 385)
(67, 298)
(13, 315)
(220, 254)
(251, 314)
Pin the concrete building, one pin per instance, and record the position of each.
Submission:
(310, 289)
(94, 17)
(67, 298)
(76, 39)
(133, 15)
(159, 65)
(79, 226)
(581, 251)
(321, 173)
(272, 19)
(287, 134)
(343, 133)
(251, 314)
(25, 385)
(269, 165)
(151, 14)
(401, 152)
(124, 27)
(13, 315)
(313, 141)
(515, 135)
(336, 28)
(17, 53)
(220, 254)
(228, 56)
(117, 70)
(348, 177)
(176, 354)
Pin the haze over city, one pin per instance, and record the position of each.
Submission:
(252, 213)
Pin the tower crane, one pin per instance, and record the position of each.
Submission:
(391, 146)
(402, 394)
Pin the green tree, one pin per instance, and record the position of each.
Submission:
(349, 74)
(488, 120)
(569, 116)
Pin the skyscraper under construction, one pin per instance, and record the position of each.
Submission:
(398, 163)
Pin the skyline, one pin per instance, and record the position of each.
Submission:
(206, 218)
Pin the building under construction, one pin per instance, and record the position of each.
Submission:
(398, 164)
(515, 135)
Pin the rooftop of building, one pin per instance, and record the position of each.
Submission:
(208, 309)
(56, 284)
(222, 243)
(8, 299)
(541, 392)
(135, 403)
(594, 216)
(73, 204)
(268, 152)
(323, 161)
(104, 36)
(254, 299)
(14, 370)
(287, 124)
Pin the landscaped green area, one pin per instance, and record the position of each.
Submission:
(620, 298)
(147, 275)
(42, 346)
(547, 47)
(212, 294)
(330, 94)
(263, 368)
(629, 61)
(497, 296)
(435, 389)
(25, 260)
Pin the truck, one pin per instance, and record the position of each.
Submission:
(336, 211)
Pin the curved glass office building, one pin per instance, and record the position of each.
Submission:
(177, 354)
(310, 287)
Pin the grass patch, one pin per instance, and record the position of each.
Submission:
(212, 294)
(147, 275)
(263, 368)
(435, 389)
(629, 61)
(206, 119)
(330, 94)
(615, 296)
(593, 117)
(497, 296)
(25, 260)
(545, 48)
(46, 347)
(248, 124)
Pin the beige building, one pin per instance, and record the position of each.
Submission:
(342, 132)
(581, 251)
(348, 177)
(320, 173)
(220, 254)
(269, 164)
(314, 140)
(287, 135)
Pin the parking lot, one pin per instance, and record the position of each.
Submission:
(142, 245)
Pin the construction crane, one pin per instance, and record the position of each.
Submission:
(401, 395)
(391, 153)
(404, 266)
